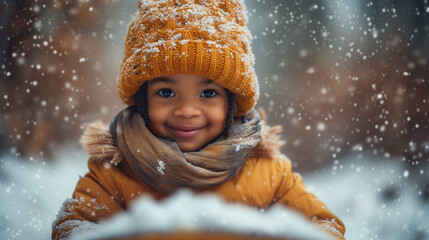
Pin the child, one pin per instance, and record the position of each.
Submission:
(188, 78)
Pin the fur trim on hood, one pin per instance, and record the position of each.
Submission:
(99, 143)
(270, 142)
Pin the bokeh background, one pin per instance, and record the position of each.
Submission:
(348, 81)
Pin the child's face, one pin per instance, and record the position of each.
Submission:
(188, 108)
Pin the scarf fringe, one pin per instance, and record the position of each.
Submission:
(99, 143)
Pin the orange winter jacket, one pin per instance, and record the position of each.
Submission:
(263, 181)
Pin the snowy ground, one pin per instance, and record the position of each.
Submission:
(187, 212)
(374, 197)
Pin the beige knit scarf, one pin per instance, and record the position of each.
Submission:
(161, 164)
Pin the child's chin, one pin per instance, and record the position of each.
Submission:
(189, 147)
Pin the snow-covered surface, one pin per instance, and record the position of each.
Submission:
(376, 198)
(186, 211)
(31, 193)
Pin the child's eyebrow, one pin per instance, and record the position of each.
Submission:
(206, 82)
(162, 79)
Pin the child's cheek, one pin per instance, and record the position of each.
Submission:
(217, 115)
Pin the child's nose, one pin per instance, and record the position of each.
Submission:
(187, 109)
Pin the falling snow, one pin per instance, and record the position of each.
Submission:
(347, 80)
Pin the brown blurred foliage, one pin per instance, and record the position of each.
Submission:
(346, 77)
(52, 72)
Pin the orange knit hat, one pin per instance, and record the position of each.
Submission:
(204, 37)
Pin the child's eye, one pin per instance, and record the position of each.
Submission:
(165, 92)
(208, 93)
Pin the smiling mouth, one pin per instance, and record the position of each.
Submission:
(185, 132)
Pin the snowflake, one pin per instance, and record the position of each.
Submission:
(161, 167)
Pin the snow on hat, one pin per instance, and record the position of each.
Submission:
(203, 37)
